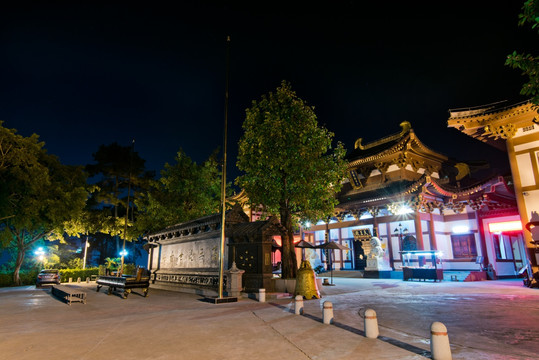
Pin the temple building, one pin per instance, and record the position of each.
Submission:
(422, 206)
(430, 213)
(514, 129)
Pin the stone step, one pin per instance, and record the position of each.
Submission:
(456, 275)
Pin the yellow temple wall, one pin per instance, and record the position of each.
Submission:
(523, 152)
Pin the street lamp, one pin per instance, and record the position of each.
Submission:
(401, 232)
(40, 253)
(85, 252)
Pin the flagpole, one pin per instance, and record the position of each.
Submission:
(223, 179)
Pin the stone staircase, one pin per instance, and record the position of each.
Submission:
(456, 275)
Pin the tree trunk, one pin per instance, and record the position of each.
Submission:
(18, 264)
(22, 246)
(289, 261)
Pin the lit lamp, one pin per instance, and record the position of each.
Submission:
(85, 252)
(123, 254)
(40, 253)
(401, 232)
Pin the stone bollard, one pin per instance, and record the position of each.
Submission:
(78, 280)
(298, 308)
(328, 312)
(70, 279)
(261, 295)
(439, 342)
(87, 280)
(371, 324)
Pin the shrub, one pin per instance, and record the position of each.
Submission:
(102, 270)
(28, 277)
(129, 269)
(6, 279)
(76, 273)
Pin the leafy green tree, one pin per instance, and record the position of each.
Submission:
(38, 194)
(290, 165)
(185, 191)
(121, 175)
(529, 64)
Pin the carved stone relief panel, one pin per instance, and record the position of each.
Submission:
(193, 254)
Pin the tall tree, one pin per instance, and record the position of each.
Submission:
(121, 175)
(184, 191)
(290, 165)
(38, 193)
(529, 64)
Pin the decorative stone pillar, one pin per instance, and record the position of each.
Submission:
(233, 284)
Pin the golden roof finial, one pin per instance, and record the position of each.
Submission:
(405, 125)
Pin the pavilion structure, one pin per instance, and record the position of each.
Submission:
(515, 129)
(414, 198)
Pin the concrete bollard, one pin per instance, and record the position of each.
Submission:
(78, 280)
(298, 308)
(70, 279)
(328, 312)
(87, 280)
(261, 295)
(371, 324)
(439, 342)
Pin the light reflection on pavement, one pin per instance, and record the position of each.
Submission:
(489, 319)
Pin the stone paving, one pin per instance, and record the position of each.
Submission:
(167, 325)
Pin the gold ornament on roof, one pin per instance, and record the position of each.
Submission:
(405, 125)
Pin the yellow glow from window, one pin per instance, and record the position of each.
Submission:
(505, 226)
(404, 210)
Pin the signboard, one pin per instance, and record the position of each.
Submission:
(362, 234)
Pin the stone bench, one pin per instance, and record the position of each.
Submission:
(69, 294)
(126, 283)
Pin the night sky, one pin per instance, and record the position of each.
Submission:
(81, 73)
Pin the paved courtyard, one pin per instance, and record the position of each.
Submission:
(485, 320)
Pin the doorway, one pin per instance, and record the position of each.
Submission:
(509, 246)
(360, 260)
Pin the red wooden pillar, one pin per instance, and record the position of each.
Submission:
(432, 237)
(418, 231)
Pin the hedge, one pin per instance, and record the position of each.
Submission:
(28, 277)
(76, 273)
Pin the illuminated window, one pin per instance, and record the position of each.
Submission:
(463, 246)
(507, 246)
(505, 226)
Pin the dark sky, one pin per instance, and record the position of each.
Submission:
(85, 73)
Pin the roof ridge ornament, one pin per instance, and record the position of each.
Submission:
(406, 127)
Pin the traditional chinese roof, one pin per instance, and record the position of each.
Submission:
(405, 142)
(235, 215)
(389, 165)
(493, 123)
(352, 198)
(400, 169)
(254, 229)
(428, 193)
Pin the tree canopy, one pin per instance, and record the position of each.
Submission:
(289, 162)
(121, 178)
(38, 193)
(184, 192)
(529, 64)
